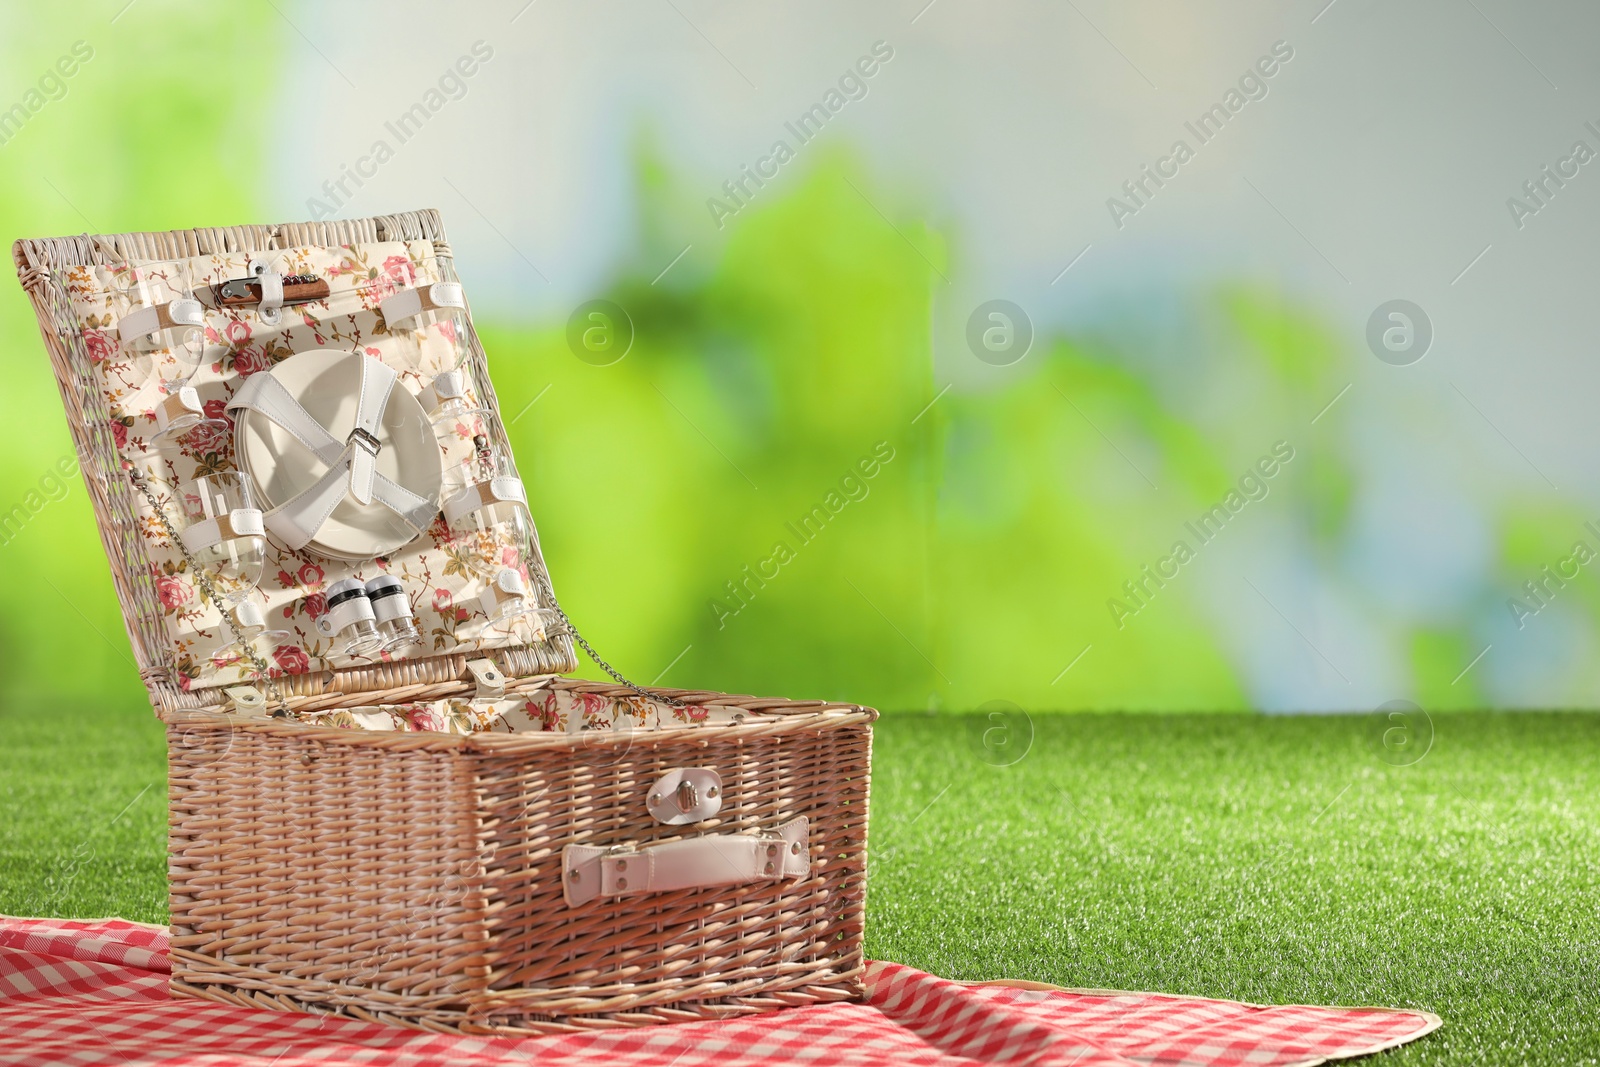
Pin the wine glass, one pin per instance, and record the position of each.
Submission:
(451, 325)
(448, 398)
(442, 349)
(163, 324)
(225, 536)
(487, 513)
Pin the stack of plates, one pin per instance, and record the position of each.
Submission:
(278, 467)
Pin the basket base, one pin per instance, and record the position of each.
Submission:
(244, 988)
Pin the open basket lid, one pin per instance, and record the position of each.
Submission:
(364, 262)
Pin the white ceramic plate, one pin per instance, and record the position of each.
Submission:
(326, 382)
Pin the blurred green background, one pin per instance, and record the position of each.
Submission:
(825, 326)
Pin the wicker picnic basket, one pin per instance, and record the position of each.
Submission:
(474, 879)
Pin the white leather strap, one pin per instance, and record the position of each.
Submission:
(271, 291)
(246, 698)
(488, 679)
(589, 872)
(451, 385)
(377, 381)
(180, 405)
(409, 303)
(249, 617)
(142, 322)
(296, 521)
(240, 522)
(264, 393)
(506, 586)
(352, 464)
(464, 502)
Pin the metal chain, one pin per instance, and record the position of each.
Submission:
(274, 694)
(608, 668)
(547, 590)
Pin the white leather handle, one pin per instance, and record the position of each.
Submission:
(693, 863)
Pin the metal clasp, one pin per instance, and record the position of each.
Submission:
(365, 440)
(685, 795)
(238, 289)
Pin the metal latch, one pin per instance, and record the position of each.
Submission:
(685, 795)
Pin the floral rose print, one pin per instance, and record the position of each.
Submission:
(250, 360)
(218, 409)
(378, 290)
(425, 717)
(692, 713)
(291, 659)
(544, 710)
(173, 591)
(100, 344)
(400, 270)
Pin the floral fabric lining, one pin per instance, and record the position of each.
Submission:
(558, 710)
(435, 569)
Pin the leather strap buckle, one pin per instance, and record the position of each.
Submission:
(366, 440)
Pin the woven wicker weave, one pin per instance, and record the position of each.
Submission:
(415, 878)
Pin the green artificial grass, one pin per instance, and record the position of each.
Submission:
(1263, 859)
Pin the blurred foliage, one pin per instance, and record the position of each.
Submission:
(67, 170)
(767, 375)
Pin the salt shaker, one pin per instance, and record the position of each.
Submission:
(350, 618)
(392, 608)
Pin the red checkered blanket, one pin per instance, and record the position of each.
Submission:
(91, 993)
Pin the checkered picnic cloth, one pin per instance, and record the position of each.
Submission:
(93, 993)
